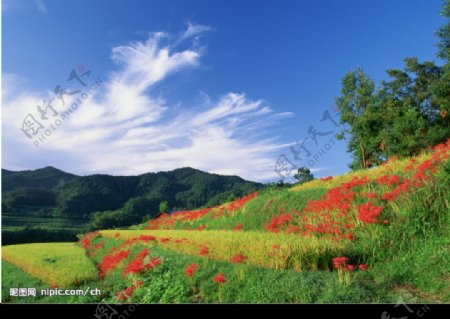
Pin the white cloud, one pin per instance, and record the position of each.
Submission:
(124, 129)
(40, 6)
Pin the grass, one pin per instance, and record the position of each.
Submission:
(57, 264)
(278, 251)
(16, 278)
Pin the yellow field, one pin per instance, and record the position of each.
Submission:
(260, 248)
(394, 166)
(58, 264)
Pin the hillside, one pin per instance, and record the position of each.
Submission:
(52, 199)
(372, 235)
(47, 177)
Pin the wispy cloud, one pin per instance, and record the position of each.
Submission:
(40, 6)
(129, 128)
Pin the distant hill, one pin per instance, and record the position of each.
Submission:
(47, 177)
(111, 201)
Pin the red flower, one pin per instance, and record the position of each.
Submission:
(238, 227)
(368, 213)
(239, 258)
(220, 278)
(276, 246)
(86, 242)
(349, 267)
(278, 222)
(111, 260)
(363, 267)
(190, 270)
(388, 180)
(204, 250)
(324, 179)
(339, 262)
(154, 261)
(137, 264)
(127, 293)
(201, 227)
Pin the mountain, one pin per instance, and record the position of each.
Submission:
(47, 177)
(112, 201)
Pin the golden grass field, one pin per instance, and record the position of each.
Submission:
(58, 264)
(278, 251)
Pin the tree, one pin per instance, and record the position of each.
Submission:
(443, 33)
(303, 175)
(163, 207)
(359, 111)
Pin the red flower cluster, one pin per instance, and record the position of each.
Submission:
(143, 238)
(166, 221)
(204, 250)
(190, 270)
(137, 264)
(238, 227)
(363, 267)
(324, 179)
(164, 240)
(278, 222)
(128, 292)
(111, 260)
(86, 239)
(240, 202)
(153, 262)
(388, 180)
(369, 195)
(340, 262)
(239, 258)
(368, 213)
(201, 227)
(220, 278)
(125, 294)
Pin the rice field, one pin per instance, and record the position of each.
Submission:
(57, 264)
(277, 251)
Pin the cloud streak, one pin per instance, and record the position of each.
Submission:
(127, 127)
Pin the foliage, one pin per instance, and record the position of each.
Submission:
(402, 115)
(303, 175)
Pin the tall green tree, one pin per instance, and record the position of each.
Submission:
(404, 114)
(358, 107)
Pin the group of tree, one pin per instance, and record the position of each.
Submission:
(107, 201)
(400, 116)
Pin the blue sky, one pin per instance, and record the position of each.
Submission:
(222, 86)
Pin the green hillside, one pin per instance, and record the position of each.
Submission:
(372, 235)
(48, 204)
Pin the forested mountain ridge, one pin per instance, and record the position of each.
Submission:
(115, 200)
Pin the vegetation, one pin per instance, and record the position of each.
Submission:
(401, 116)
(53, 205)
(303, 175)
(361, 237)
(57, 264)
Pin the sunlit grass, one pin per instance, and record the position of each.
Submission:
(58, 264)
(279, 251)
